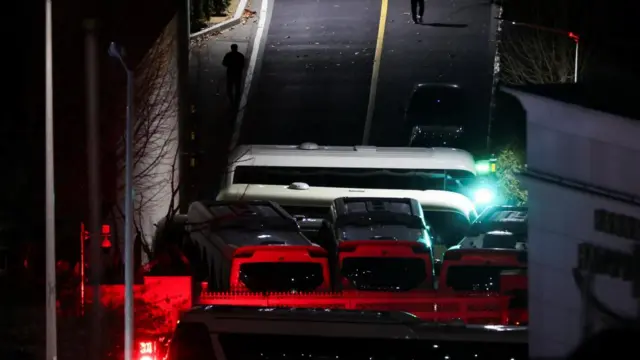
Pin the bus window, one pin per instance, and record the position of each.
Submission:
(359, 178)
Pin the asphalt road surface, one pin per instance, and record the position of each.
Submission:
(451, 46)
(316, 68)
(315, 73)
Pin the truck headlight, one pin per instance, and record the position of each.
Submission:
(483, 196)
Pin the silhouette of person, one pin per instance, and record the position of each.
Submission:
(234, 62)
(417, 10)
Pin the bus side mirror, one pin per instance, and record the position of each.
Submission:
(437, 265)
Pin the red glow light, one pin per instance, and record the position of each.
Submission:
(106, 230)
(106, 243)
(146, 347)
(574, 36)
(146, 350)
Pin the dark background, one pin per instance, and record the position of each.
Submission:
(135, 25)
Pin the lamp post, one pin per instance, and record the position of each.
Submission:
(52, 335)
(573, 36)
(119, 53)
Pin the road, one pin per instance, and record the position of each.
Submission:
(315, 75)
(451, 46)
(316, 69)
(211, 117)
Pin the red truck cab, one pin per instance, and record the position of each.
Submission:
(478, 269)
(378, 244)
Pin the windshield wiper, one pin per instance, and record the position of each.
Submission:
(380, 237)
(258, 224)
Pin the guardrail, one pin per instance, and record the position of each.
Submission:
(487, 309)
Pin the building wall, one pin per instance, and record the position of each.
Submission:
(592, 153)
(155, 173)
(559, 220)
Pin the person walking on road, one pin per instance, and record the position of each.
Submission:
(417, 11)
(234, 62)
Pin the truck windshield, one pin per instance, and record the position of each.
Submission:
(257, 223)
(381, 232)
(380, 218)
(512, 221)
(394, 179)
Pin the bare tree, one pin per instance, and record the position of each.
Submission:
(155, 134)
(536, 46)
(531, 56)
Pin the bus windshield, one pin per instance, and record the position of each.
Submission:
(362, 178)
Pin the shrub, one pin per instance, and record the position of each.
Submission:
(219, 7)
(511, 161)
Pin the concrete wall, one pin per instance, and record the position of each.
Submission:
(158, 166)
(582, 144)
(589, 150)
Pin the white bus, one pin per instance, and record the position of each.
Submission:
(357, 166)
(305, 180)
(366, 167)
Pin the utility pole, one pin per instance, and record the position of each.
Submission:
(184, 104)
(50, 207)
(494, 38)
(119, 53)
(576, 39)
(93, 175)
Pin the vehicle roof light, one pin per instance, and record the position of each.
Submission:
(483, 167)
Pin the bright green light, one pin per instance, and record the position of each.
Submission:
(483, 196)
(483, 167)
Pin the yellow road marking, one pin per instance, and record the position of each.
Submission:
(373, 87)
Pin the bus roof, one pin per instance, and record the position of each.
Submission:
(344, 324)
(323, 196)
(365, 157)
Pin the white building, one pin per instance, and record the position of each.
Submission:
(583, 178)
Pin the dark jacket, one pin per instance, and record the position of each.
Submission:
(234, 62)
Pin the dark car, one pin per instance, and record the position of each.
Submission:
(436, 115)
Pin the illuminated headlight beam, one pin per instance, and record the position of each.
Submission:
(483, 196)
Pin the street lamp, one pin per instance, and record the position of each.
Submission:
(50, 208)
(573, 36)
(119, 53)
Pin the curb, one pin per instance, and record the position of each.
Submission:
(225, 25)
